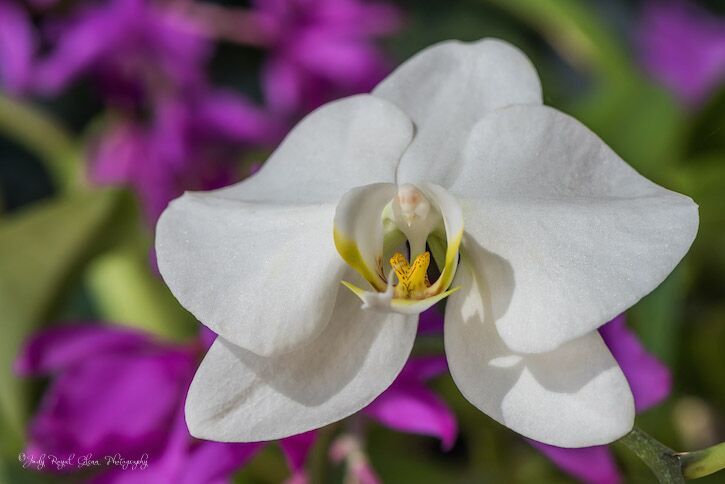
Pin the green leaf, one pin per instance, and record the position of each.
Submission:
(576, 32)
(639, 120)
(438, 20)
(12, 472)
(44, 136)
(658, 317)
(706, 359)
(703, 179)
(124, 275)
(707, 132)
(41, 248)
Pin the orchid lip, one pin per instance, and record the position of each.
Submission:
(382, 228)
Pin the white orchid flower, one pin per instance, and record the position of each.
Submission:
(540, 233)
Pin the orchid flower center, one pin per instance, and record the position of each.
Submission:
(389, 234)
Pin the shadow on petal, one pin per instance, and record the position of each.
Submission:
(575, 395)
(240, 396)
(329, 363)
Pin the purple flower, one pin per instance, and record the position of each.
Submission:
(190, 144)
(594, 465)
(684, 47)
(117, 391)
(648, 378)
(42, 4)
(321, 49)
(17, 46)
(130, 46)
(76, 417)
(169, 130)
(430, 322)
(650, 383)
(186, 462)
(296, 449)
(409, 406)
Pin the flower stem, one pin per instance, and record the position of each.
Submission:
(674, 467)
(704, 462)
(43, 136)
(663, 461)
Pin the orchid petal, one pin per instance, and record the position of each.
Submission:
(240, 396)
(218, 256)
(584, 236)
(217, 249)
(347, 143)
(574, 396)
(445, 89)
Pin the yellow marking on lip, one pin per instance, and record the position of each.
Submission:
(412, 279)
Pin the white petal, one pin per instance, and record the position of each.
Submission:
(359, 229)
(347, 143)
(264, 276)
(574, 396)
(583, 235)
(237, 396)
(445, 89)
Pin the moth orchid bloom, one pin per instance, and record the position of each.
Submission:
(539, 231)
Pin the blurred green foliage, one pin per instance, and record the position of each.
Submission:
(43, 249)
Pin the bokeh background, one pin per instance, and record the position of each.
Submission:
(110, 109)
